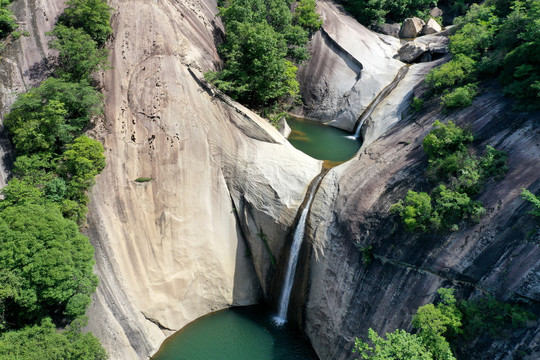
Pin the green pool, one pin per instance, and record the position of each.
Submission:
(246, 333)
(321, 141)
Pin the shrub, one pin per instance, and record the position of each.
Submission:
(416, 212)
(529, 196)
(458, 71)
(446, 139)
(92, 16)
(143, 179)
(416, 104)
(459, 97)
(7, 20)
(397, 345)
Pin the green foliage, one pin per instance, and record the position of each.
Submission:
(79, 55)
(416, 212)
(143, 179)
(463, 174)
(369, 12)
(92, 16)
(305, 15)
(486, 315)
(459, 97)
(446, 139)
(417, 104)
(263, 40)
(534, 200)
(51, 260)
(7, 20)
(47, 117)
(397, 345)
(45, 342)
(458, 71)
(435, 321)
(500, 37)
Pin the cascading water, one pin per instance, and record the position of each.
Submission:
(377, 100)
(281, 317)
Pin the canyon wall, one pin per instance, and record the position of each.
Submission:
(170, 249)
(499, 255)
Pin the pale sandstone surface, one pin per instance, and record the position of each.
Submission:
(351, 212)
(171, 249)
(350, 65)
(25, 61)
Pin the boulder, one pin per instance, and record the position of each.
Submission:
(388, 29)
(411, 27)
(411, 51)
(436, 12)
(431, 27)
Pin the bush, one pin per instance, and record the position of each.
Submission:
(416, 212)
(529, 196)
(79, 55)
(7, 20)
(416, 104)
(446, 139)
(459, 97)
(458, 71)
(397, 345)
(92, 16)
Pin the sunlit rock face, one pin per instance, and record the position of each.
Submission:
(172, 249)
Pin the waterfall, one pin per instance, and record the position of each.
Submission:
(380, 97)
(281, 317)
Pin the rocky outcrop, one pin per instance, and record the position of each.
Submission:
(172, 249)
(501, 254)
(24, 62)
(431, 27)
(411, 27)
(411, 51)
(349, 68)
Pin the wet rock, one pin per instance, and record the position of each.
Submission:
(431, 27)
(411, 51)
(411, 27)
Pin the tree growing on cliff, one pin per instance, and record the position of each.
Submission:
(397, 345)
(93, 16)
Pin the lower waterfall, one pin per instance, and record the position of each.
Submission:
(281, 317)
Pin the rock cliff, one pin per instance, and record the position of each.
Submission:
(171, 249)
(500, 255)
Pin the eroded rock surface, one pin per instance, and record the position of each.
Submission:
(171, 249)
(411, 27)
(350, 213)
(349, 67)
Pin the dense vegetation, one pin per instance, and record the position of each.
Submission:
(264, 41)
(368, 12)
(495, 38)
(460, 176)
(534, 200)
(437, 326)
(45, 262)
(7, 20)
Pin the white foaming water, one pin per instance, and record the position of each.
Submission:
(281, 317)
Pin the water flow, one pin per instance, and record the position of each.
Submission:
(380, 97)
(281, 317)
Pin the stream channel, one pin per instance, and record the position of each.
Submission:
(253, 332)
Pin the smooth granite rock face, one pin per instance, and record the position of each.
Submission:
(431, 27)
(349, 67)
(411, 51)
(501, 254)
(174, 248)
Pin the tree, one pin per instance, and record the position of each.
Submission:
(51, 260)
(7, 20)
(530, 197)
(92, 16)
(79, 55)
(397, 345)
(43, 341)
(416, 212)
(435, 321)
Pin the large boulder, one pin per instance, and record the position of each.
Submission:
(411, 51)
(388, 29)
(411, 27)
(431, 27)
(436, 12)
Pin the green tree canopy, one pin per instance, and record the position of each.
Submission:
(93, 16)
(51, 261)
(397, 345)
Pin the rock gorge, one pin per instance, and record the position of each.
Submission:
(226, 187)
